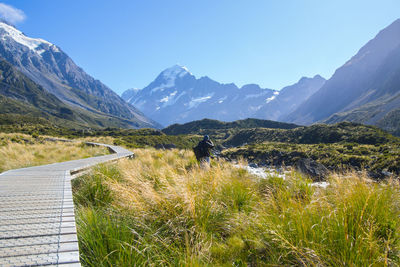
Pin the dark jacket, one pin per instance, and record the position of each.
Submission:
(206, 146)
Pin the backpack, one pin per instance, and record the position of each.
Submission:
(199, 151)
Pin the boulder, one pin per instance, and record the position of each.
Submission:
(315, 170)
(253, 165)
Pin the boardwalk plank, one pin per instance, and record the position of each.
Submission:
(37, 219)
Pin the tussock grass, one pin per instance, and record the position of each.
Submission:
(99, 139)
(161, 209)
(19, 150)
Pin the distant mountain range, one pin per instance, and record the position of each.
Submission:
(49, 68)
(366, 89)
(177, 96)
(37, 79)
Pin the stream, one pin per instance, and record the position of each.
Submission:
(265, 172)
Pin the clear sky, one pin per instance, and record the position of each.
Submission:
(127, 43)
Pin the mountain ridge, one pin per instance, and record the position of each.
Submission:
(22, 100)
(177, 96)
(365, 89)
(47, 65)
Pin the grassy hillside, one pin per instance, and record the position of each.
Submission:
(255, 131)
(314, 134)
(131, 138)
(337, 157)
(339, 147)
(161, 209)
(391, 122)
(19, 151)
(202, 126)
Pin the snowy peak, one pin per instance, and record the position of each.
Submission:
(55, 71)
(175, 72)
(34, 44)
(168, 78)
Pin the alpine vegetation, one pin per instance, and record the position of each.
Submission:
(161, 209)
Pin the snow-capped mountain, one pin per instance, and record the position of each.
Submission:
(47, 65)
(289, 98)
(177, 96)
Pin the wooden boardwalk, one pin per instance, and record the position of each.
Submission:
(37, 222)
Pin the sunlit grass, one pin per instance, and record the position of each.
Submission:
(161, 209)
(99, 139)
(19, 150)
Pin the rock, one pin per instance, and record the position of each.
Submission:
(315, 170)
(253, 165)
(374, 175)
(386, 173)
(169, 146)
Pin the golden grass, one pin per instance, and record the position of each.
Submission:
(99, 139)
(161, 209)
(19, 150)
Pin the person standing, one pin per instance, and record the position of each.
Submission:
(203, 150)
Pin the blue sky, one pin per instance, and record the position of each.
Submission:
(127, 43)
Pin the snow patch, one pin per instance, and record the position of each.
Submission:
(269, 99)
(171, 99)
(186, 69)
(166, 98)
(32, 43)
(40, 51)
(195, 102)
(222, 99)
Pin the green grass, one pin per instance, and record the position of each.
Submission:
(161, 209)
(337, 157)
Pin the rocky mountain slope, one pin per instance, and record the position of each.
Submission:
(48, 66)
(365, 89)
(24, 101)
